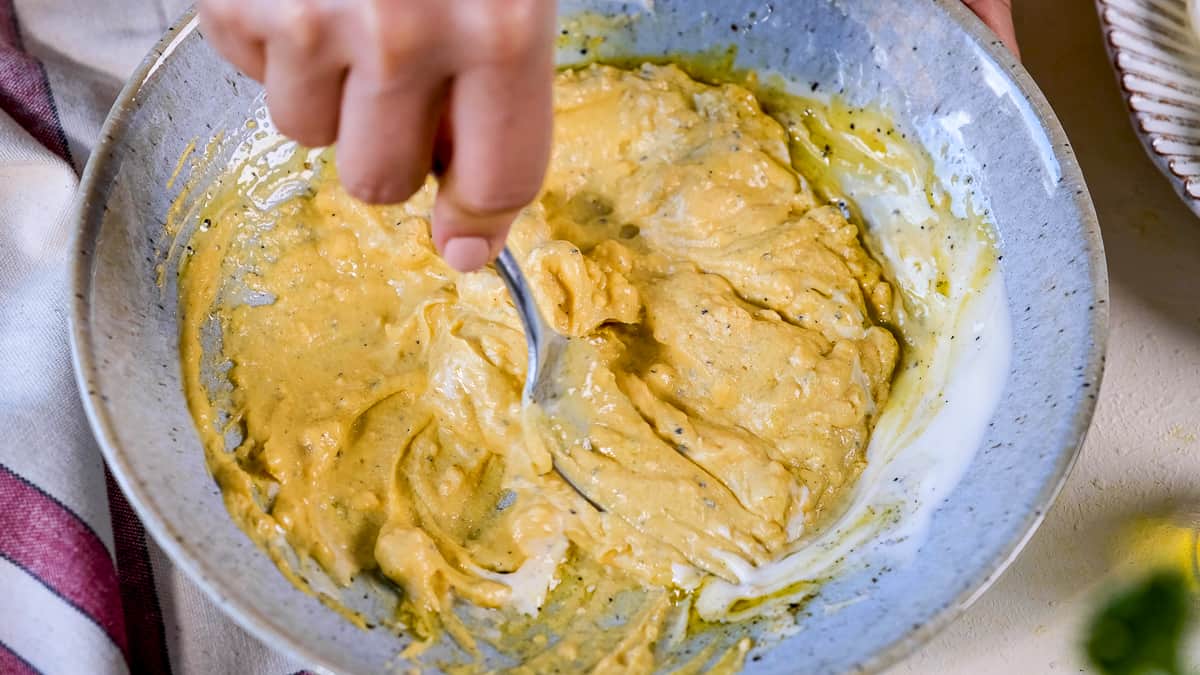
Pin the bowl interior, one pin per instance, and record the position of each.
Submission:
(927, 64)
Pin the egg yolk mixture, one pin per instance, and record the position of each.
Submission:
(368, 406)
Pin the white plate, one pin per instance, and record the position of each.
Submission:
(1156, 53)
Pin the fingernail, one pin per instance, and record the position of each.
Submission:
(467, 254)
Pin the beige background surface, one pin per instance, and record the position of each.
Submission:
(1142, 451)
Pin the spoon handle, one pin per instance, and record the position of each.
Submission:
(539, 336)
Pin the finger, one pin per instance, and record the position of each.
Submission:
(443, 142)
(501, 117)
(385, 134)
(233, 40)
(997, 14)
(304, 95)
(305, 69)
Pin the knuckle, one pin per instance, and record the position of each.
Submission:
(314, 139)
(295, 122)
(218, 10)
(399, 29)
(308, 135)
(282, 119)
(361, 190)
(301, 22)
(324, 137)
(497, 198)
(380, 193)
(509, 29)
(374, 188)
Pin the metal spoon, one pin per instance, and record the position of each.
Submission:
(546, 347)
(548, 376)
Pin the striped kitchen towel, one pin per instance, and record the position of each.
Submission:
(82, 589)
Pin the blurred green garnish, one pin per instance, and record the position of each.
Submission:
(1140, 631)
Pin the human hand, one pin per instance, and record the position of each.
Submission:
(404, 87)
(997, 14)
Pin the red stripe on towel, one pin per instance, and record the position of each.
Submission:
(24, 90)
(143, 614)
(42, 536)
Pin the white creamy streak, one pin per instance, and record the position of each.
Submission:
(911, 468)
(535, 578)
(924, 226)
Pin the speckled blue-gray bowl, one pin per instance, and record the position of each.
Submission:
(927, 56)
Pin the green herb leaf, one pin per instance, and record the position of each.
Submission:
(1140, 631)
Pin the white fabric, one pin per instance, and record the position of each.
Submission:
(88, 48)
(39, 407)
(200, 639)
(56, 639)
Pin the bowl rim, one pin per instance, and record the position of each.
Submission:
(268, 630)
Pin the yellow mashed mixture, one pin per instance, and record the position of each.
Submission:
(371, 396)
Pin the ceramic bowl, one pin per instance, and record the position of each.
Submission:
(925, 62)
(1155, 49)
